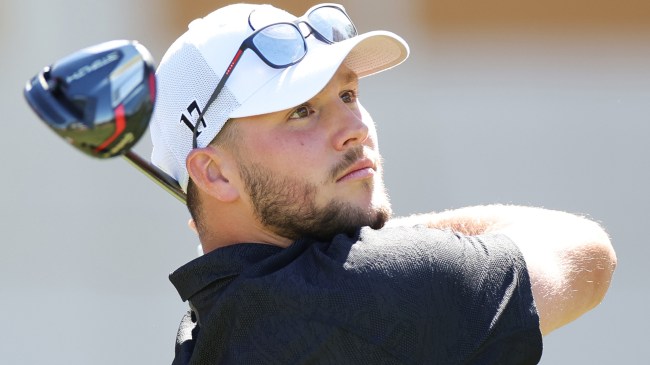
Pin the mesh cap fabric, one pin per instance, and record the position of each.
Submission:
(192, 66)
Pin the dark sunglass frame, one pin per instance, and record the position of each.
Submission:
(249, 44)
(305, 20)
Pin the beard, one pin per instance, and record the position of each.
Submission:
(287, 204)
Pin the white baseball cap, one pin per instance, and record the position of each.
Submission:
(190, 70)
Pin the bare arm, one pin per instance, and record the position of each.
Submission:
(570, 259)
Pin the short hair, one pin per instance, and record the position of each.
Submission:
(226, 138)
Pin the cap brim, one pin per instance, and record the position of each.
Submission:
(365, 54)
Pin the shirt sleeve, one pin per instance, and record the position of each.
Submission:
(513, 335)
(473, 293)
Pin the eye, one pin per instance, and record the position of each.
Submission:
(349, 96)
(300, 112)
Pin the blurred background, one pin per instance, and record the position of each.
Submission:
(509, 101)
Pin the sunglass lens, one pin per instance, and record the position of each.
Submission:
(331, 23)
(281, 44)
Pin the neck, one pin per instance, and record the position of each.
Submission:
(221, 229)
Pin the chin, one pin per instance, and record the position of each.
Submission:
(375, 212)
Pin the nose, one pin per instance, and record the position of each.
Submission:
(350, 128)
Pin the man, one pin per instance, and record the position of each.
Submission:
(259, 121)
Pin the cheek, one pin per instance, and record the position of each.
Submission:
(298, 153)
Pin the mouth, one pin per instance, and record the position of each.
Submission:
(362, 169)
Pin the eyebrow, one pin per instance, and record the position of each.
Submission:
(350, 77)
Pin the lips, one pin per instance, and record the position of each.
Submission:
(361, 168)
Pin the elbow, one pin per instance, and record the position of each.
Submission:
(589, 270)
(604, 263)
(593, 265)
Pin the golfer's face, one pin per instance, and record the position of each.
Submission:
(319, 156)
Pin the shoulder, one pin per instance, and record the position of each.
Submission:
(435, 251)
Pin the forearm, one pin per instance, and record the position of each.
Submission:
(565, 228)
(468, 221)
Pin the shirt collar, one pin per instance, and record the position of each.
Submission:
(216, 265)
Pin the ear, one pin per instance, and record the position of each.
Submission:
(208, 168)
(192, 225)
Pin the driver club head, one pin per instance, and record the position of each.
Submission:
(99, 99)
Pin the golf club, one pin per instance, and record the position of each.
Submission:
(100, 99)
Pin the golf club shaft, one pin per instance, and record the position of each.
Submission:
(156, 174)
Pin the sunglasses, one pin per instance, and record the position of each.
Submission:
(283, 44)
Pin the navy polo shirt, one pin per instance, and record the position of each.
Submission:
(392, 296)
